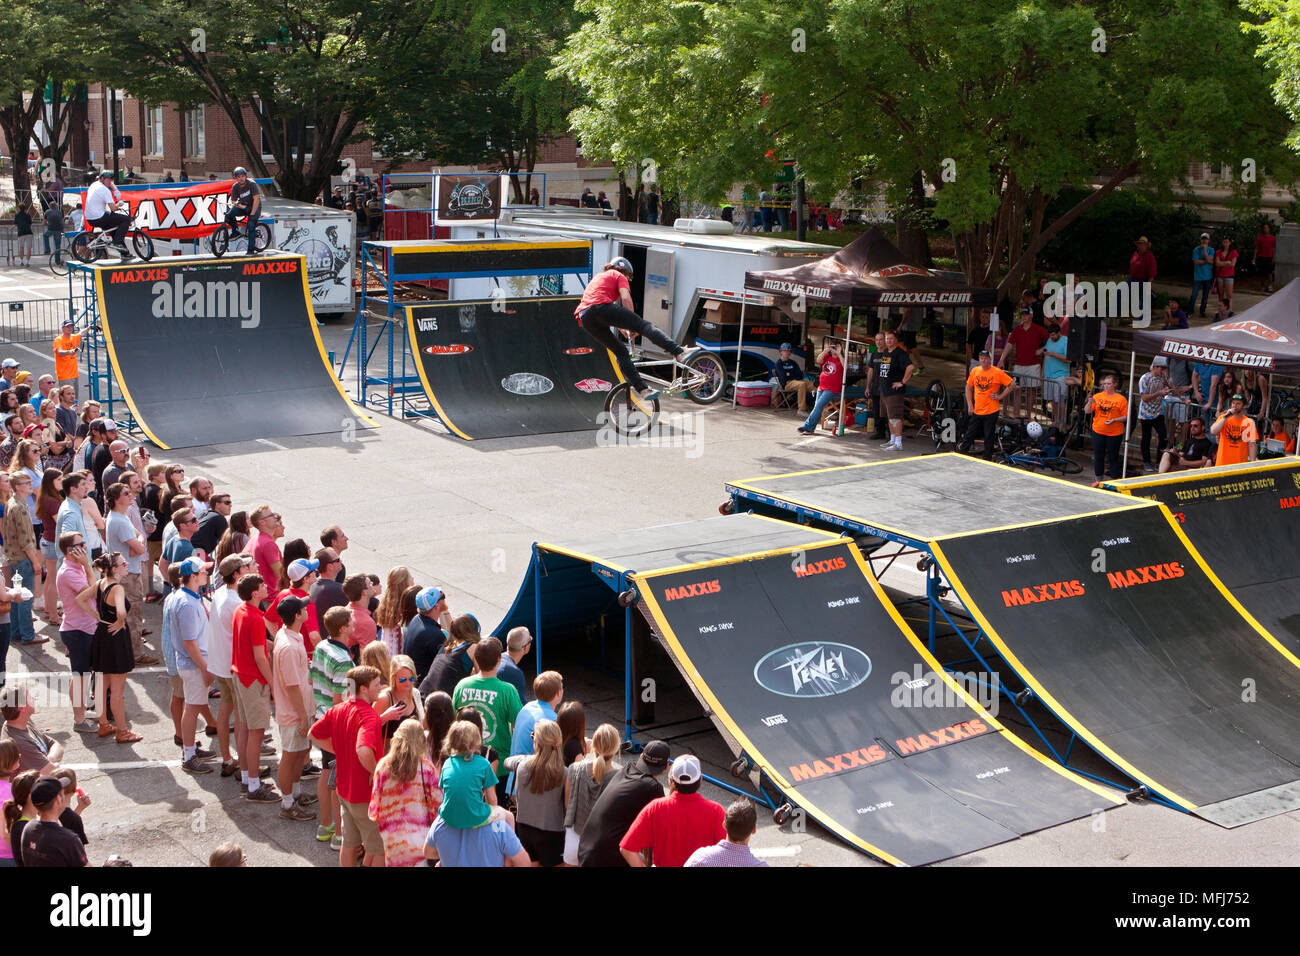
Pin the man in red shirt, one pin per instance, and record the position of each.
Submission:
(262, 546)
(302, 573)
(829, 386)
(1030, 341)
(252, 669)
(351, 731)
(1141, 273)
(607, 305)
(673, 827)
(1265, 244)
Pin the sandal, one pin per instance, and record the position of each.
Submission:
(126, 737)
(106, 730)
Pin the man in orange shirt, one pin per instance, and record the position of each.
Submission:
(984, 400)
(65, 355)
(1238, 439)
(1109, 417)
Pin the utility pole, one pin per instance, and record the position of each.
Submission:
(112, 131)
(802, 228)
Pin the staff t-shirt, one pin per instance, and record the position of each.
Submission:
(1105, 407)
(984, 386)
(499, 704)
(1234, 439)
(604, 288)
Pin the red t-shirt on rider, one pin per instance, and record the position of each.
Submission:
(604, 288)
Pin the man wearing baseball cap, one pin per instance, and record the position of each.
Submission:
(190, 639)
(423, 637)
(629, 790)
(1238, 438)
(668, 830)
(101, 200)
(221, 634)
(66, 345)
(46, 842)
(790, 377)
(302, 574)
(9, 372)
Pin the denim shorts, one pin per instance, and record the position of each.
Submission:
(49, 550)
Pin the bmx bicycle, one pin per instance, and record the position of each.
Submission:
(93, 244)
(702, 380)
(224, 235)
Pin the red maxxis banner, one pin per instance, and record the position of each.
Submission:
(182, 212)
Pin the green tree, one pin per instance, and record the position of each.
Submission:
(301, 79)
(1277, 25)
(999, 103)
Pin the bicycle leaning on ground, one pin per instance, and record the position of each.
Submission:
(702, 380)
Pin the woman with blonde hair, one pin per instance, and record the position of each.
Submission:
(405, 798)
(375, 654)
(400, 692)
(48, 498)
(539, 793)
(584, 782)
(388, 616)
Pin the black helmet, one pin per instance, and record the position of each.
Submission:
(240, 171)
(623, 266)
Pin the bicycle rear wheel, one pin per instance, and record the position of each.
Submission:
(709, 366)
(263, 237)
(625, 414)
(1065, 466)
(59, 265)
(83, 250)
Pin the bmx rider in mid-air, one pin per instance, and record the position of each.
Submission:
(606, 305)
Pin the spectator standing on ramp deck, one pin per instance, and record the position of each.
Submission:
(986, 386)
(896, 369)
(1109, 416)
(1238, 439)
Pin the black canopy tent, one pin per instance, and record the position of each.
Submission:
(1266, 337)
(869, 272)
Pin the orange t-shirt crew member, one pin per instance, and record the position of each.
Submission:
(1238, 439)
(986, 386)
(1109, 417)
(65, 354)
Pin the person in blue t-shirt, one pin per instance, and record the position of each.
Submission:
(790, 377)
(1056, 374)
(1205, 387)
(1202, 273)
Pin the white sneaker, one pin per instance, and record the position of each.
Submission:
(888, 444)
(893, 447)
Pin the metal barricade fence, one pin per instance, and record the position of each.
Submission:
(38, 320)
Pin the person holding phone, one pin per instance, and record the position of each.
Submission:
(829, 385)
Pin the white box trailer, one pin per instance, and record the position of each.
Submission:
(690, 284)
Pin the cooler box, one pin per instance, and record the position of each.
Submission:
(754, 394)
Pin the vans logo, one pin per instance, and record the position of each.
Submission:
(208, 299)
(76, 909)
(429, 324)
(578, 351)
(590, 385)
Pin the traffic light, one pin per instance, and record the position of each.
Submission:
(124, 142)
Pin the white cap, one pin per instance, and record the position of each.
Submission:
(685, 769)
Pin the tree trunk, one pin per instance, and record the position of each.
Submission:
(18, 120)
(913, 243)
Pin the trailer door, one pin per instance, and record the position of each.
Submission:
(659, 269)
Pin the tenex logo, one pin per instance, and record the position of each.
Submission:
(447, 349)
(1144, 575)
(1017, 597)
(1257, 329)
(692, 590)
(590, 385)
(578, 351)
(812, 669)
(899, 270)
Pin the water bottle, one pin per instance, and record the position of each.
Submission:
(18, 581)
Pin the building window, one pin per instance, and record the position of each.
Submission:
(294, 139)
(195, 140)
(153, 130)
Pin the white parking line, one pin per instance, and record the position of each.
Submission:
(777, 850)
(808, 441)
(15, 345)
(267, 441)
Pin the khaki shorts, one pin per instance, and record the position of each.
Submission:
(253, 704)
(155, 551)
(293, 740)
(359, 829)
(893, 406)
(227, 687)
(178, 686)
(196, 692)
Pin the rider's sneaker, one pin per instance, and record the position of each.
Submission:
(650, 396)
(124, 253)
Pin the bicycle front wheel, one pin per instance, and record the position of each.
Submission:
(59, 265)
(626, 415)
(220, 240)
(142, 243)
(708, 378)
